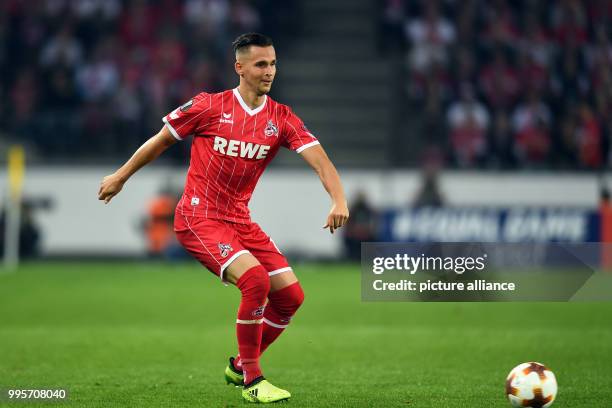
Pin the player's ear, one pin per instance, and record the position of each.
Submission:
(238, 68)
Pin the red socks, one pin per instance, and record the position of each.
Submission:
(254, 285)
(281, 307)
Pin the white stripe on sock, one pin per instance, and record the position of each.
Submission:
(249, 321)
(278, 326)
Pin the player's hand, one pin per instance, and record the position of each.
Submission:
(109, 187)
(338, 216)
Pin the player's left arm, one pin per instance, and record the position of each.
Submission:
(316, 157)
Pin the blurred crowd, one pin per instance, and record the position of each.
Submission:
(91, 79)
(506, 84)
(489, 84)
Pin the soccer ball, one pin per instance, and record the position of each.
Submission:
(531, 385)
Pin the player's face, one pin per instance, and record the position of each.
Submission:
(257, 68)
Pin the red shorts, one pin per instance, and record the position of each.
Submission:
(216, 243)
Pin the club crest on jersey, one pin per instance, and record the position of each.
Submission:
(225, 249)
(271, 129)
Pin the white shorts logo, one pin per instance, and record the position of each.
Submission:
(195, 201)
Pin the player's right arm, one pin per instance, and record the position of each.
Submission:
(112, 184)
(179, 124)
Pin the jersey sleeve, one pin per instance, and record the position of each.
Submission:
(296, 136)
(183, 121)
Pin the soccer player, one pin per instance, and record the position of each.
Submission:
(236, 133)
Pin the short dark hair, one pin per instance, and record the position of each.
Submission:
(246, 40)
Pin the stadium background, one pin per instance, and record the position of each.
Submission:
(435, 112)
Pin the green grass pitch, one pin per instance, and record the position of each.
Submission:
(158, 335)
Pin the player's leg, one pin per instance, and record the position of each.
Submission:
(216, 246)
(254, 284)
(285, 298)
(286, 294)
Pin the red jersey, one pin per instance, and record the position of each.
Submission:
(232, 145)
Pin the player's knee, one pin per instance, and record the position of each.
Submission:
(287, 300)
(297, 296)
(255, 283)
